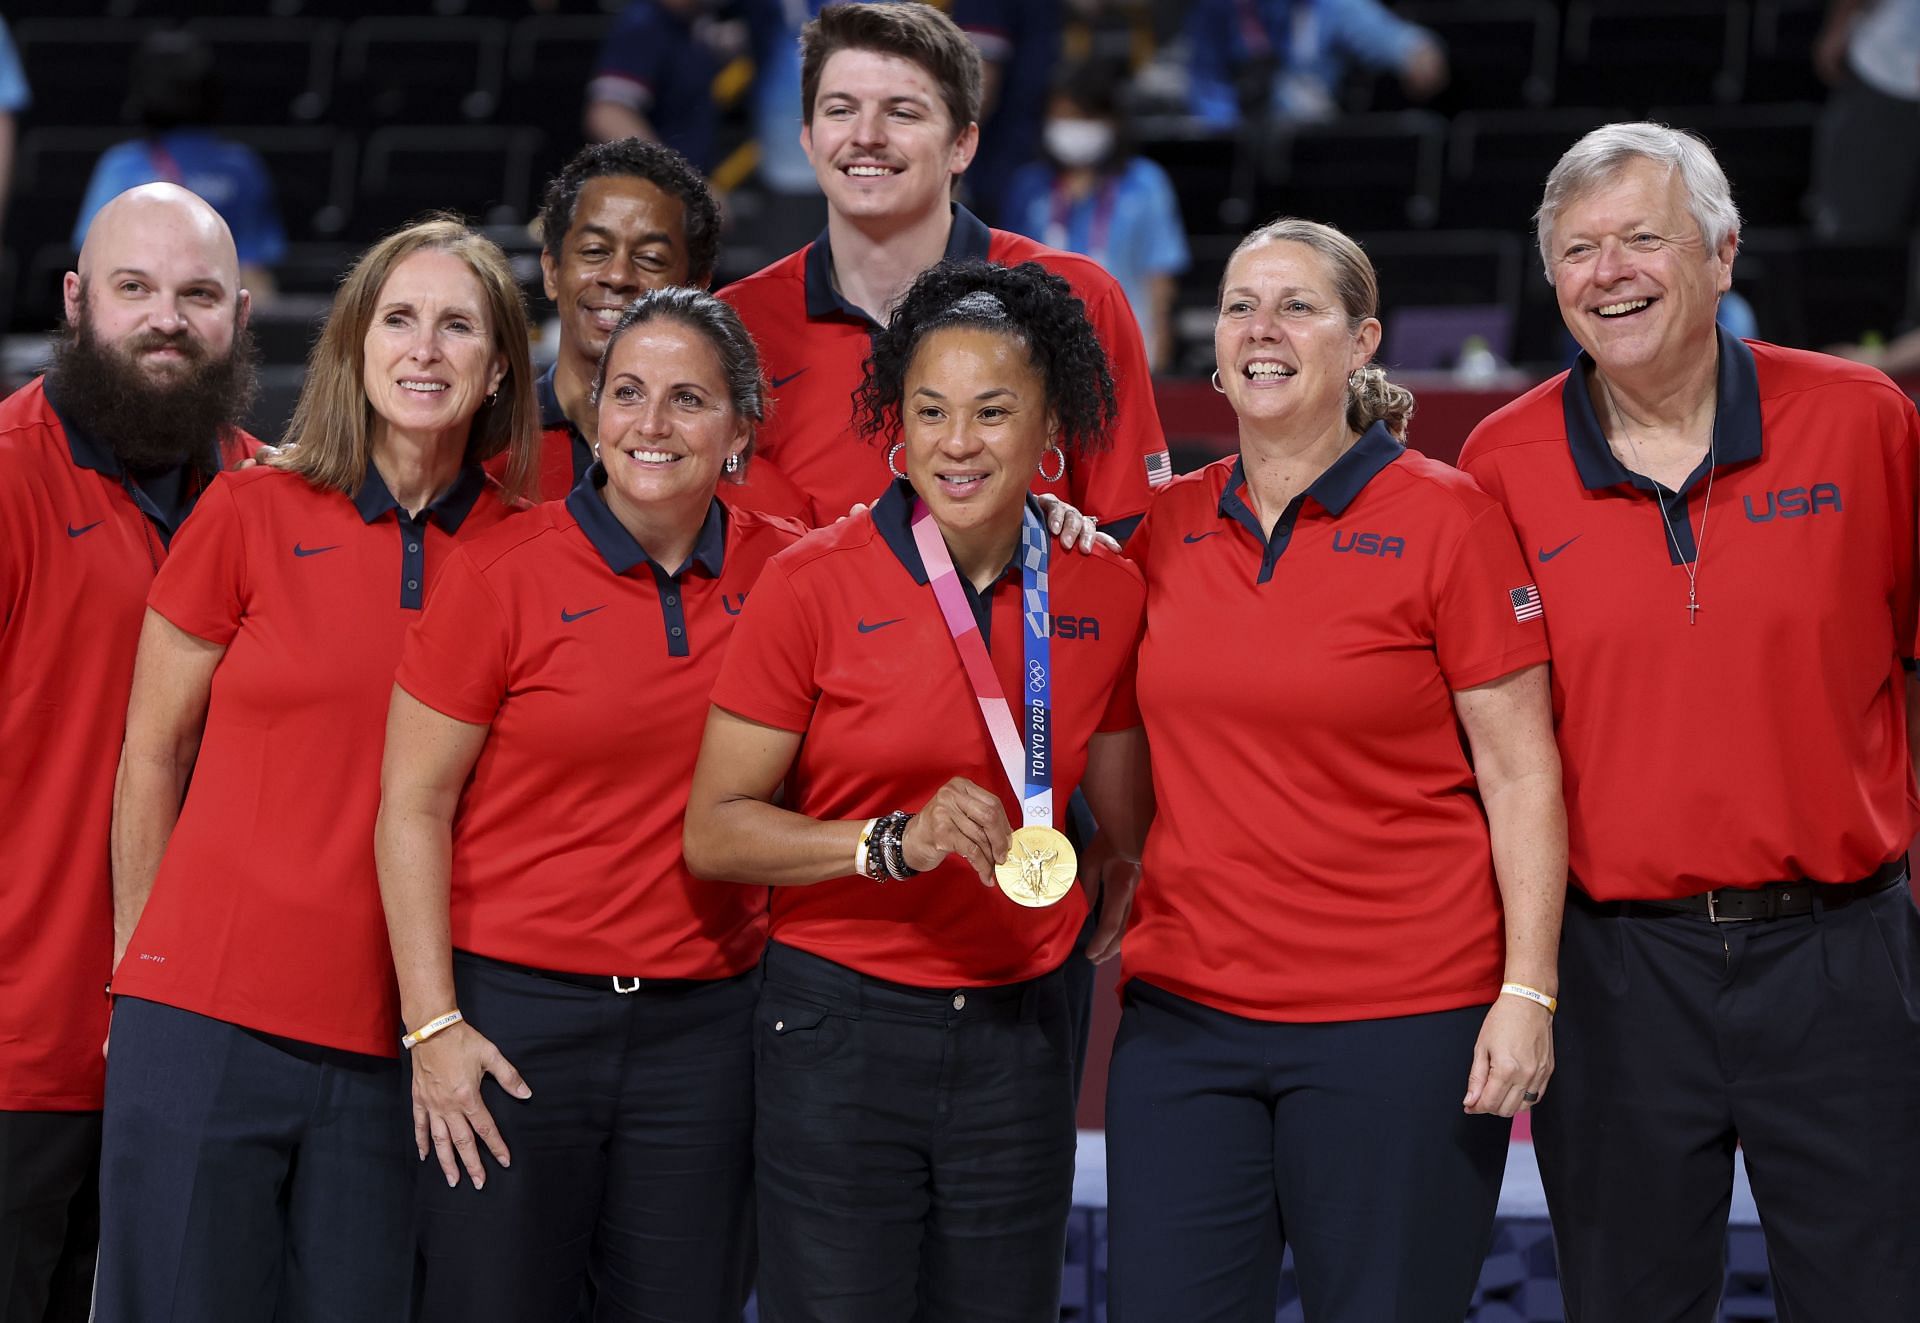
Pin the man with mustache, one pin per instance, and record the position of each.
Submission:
(100, 461)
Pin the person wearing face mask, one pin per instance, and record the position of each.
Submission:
(1091, 195)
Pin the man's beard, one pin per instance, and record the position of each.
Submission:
(151, 426)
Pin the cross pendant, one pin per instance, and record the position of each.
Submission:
(1693, 610)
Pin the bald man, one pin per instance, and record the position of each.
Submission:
(100, 460)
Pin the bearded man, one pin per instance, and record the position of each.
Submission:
(100, 461)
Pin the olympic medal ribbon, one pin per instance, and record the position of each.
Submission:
(1040, 865)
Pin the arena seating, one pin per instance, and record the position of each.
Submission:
(367, 120)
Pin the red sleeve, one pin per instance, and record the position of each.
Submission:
(456, 653)
(203, 584)
(1116, 483)
(1487, 620)
(1123, 709)
(770, 670)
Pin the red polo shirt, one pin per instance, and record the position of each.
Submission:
(79, 546)
(592, 666)
(266, 910)
(1319, 850)
(1767, 741)
(846, 643)
(815, 345)
(565, 456)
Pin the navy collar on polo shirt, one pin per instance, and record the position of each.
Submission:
(1736, 438)
(1333, 491)
(621, 550)
(623, 553)
(449, 510)
(89, 452)
(552, 416)
(969, 239)
(892, 517)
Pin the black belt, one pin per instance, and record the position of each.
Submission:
(593, 982)
(1770, 900)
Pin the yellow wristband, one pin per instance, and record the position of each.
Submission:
(1534, 995)
(430, 1028)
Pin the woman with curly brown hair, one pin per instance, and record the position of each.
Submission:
(915, 1133)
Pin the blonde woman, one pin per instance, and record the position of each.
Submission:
(250, 1168)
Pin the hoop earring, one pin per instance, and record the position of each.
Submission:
(493, 396)
(1052, 477)
(1354, 378)
(1215, 379)
(733, 463)
(893, 453)
(596, 451)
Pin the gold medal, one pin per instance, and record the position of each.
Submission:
(1039, 868)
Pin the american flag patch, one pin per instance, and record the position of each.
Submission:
(1159, 469)
(1526, 602)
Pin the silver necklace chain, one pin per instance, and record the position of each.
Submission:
(1659, 495)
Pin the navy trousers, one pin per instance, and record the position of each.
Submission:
(632, 1175)
(247, 1178)
(1229, 1139)
(915, 1147)
(1798, 1039)
(49, 1215)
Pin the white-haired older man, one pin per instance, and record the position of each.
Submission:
(1723, 534)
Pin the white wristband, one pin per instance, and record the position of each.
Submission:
(430, 1028)
(1534, 995)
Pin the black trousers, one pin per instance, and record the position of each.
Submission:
(1798, 1039)
(632, 1175)
(915, 1147)
(245, 1177)
(1229, 1139)
(49, 1215)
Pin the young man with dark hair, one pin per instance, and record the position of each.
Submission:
(890, 96)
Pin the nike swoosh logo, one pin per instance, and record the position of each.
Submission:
(1546, 555)
(299, 550)
(865, 628)
(778, 382)
(85, 528)
(568, 617)
(1201, 537)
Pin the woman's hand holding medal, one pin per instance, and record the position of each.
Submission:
(963, 819)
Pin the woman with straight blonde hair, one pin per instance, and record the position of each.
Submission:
(253, 1101)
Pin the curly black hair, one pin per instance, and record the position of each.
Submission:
(660, 166)
(1027, 302)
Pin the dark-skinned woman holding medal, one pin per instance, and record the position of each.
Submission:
(1340, 976)
(914, 1124)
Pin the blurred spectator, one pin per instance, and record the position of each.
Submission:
(654, 80)
(14, 98)
(775, 26)
(1286, 57)
(1090, 194)
(174, 96)
(1019, 45)
(1866, 161)
(1898, 357)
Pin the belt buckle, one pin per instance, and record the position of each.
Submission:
(633, 985)
(1713, 912)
